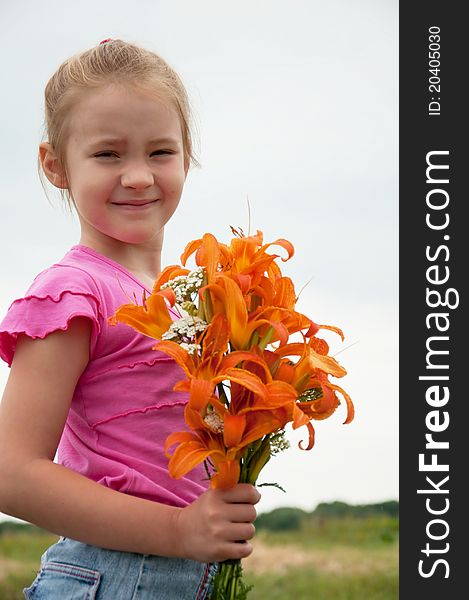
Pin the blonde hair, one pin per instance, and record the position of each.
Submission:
(112, 62)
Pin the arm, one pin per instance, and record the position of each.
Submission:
(33, 412)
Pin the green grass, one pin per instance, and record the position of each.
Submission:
(20, 555)
(305, 584)
(342, 558)
(323, 532)
(25, 546)
(12, 585)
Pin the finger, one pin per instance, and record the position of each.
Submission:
(239, 532)
(241, 513)
(242, 492)
(238, 550)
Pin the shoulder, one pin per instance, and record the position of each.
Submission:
(57, 295)
(72, 274)
(64, 287)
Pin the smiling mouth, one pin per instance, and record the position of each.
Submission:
(134, 203)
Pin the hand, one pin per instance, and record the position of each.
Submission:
(218, 524)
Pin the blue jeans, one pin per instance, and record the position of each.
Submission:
(71, 570)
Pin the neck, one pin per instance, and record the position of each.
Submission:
(142, 260)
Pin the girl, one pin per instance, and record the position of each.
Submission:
(119, 148)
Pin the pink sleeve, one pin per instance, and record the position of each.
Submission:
(53, 300)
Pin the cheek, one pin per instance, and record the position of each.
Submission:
(175, 190)
(94, 186)
(172, 175)
(178, 181)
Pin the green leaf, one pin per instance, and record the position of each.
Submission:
(276, 485)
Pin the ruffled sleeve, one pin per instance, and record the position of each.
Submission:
(56, 296)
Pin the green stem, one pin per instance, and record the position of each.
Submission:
(228, 583)
(254, 460)
(254, 341)
(233, 582)
(207, 301)
(200, 311)
(266, 338)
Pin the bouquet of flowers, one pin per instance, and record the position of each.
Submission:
(245, 377)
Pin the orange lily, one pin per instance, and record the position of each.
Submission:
(151, 319)
(227, 299)
(208, 251)
(211, 367)
(195, 447)
(245, 260)
(240, 428)
(248, 304)
(167, 274)
(249, 257)
(320, 366)
(276, 301)
(309, 373)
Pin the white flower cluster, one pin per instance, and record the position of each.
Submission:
(185, 286)
(278, 443)
(191, 348)
(214, 421)
(185, 328)
(183, 332)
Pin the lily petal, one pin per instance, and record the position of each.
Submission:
(227, 475)
(187, 456)
(152, 320)
(234, 426)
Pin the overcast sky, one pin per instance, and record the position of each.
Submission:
(296, 106)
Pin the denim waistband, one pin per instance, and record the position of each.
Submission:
(73, 570)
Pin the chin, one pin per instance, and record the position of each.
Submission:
(139, 238)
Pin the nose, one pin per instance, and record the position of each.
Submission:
(137, 176)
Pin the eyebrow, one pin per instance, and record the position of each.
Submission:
(116, 140)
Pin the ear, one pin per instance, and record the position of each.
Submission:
(51, 166)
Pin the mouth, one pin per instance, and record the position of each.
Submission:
(135, 203)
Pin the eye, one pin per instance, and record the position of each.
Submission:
(162, 152)
(104, 154)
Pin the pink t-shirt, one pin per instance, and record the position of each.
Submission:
(124, 406)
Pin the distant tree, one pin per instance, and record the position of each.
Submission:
(288, 518)
(14, 527)
(281, 519)
(342, 509)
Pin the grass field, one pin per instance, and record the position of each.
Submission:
(326, 559)
(20, 555)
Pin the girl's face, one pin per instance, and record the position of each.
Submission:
(125, 166)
